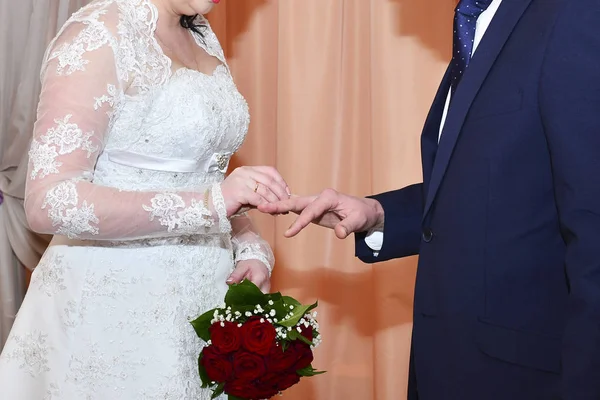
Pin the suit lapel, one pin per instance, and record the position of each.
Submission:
(502, 25)
(431, 129)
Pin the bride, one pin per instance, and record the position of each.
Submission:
(137, 121)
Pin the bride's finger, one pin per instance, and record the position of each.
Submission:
(253, 199)
(276, 186)
(265, 192)
(266, 286)
(276, 176)
(295, 204)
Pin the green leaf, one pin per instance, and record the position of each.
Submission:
(290, 300)
(218, 391)
(295, 335)
(309, 371)
(202, 324)
(206, 382)
(244, 294)
(274, 296)
(297, 314)
(230, 397)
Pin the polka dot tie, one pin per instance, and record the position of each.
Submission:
(465, 23)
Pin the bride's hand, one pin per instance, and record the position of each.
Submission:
(253, 270)
(251, 186)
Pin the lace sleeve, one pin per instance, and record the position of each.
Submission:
(248, 245)
(82, 87)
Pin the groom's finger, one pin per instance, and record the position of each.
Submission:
(312, 212)
(352, 223)
(295, 204)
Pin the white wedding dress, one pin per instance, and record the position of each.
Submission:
(125, 167)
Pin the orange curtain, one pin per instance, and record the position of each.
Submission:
(339, 90)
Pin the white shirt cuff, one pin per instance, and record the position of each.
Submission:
(374, 239)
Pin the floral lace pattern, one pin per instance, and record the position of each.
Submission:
(70, 220)
(253, 251)
(31, 352)
(70, 56)
(62, 139)
(111, 98)
(49, 275)
(53, 392)
(171, 211)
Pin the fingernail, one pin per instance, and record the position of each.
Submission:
(287, 189)
(229, 280)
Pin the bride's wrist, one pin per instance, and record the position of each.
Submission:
(218, 208)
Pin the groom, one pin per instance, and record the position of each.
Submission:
(507, 219)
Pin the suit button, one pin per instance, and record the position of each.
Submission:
(427, 235)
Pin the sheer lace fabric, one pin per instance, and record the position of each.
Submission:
(125, 168)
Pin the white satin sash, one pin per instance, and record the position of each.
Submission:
(218, 162)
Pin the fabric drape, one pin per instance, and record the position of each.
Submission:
(338, 92)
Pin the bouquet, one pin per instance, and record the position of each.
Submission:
(258, 345)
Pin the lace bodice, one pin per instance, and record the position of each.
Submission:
(125, 148)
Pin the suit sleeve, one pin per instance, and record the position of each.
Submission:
(570, 107)
(402, 227)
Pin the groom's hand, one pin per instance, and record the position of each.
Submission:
(342, 213)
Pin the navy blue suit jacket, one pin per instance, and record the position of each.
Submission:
(507, 220)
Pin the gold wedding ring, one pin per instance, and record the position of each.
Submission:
(256, 187)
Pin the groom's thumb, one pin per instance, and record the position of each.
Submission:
(341, 230)
(350, 224)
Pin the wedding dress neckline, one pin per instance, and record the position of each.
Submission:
(183, 70)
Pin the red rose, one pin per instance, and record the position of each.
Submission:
(257, 336)
(218, 368)
(307, 332)
(240, 388)
(266, 387)
(288, 380)
(248, 366)
(279, 360)
(297, 356)
(273, 383)
(247, 390)
(225, 338)
(304, 354)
